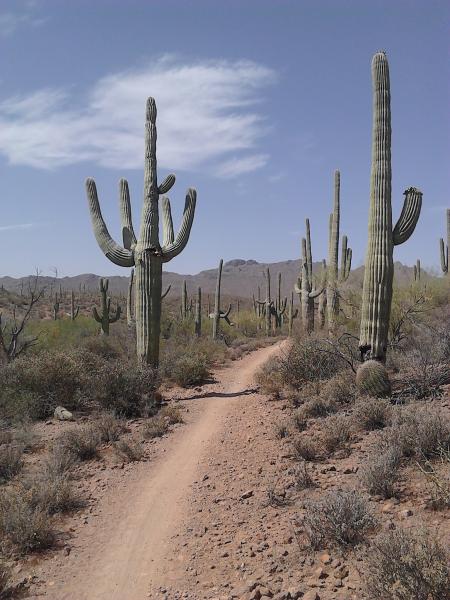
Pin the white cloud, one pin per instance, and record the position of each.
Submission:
(207, 118)
(19, 226)
(11, 21)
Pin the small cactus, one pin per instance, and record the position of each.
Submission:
(445, 247)
(198, 313)
(74, 311)
(218, 313)
(106, 317)
(379, 267)
(305, 284)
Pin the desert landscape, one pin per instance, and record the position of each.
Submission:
(262, 429)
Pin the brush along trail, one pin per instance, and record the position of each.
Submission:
(145, 534)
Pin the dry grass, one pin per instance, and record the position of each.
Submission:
(341, 518)
(304, 449)
(129, 450)
(302, 477)
(403, 565)
(172, 414)
(337, 432)
(372, 413)
(11, 461)
(82, 443)
(109, 427)
(155, 427)
(380, 473)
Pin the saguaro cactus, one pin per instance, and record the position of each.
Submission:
(417, 271)
(145, 253)
(267, 305)
(323, 297)
(305, 284)
(130, 319)
(184, 301)
(291, 314)
(198, 313)
(74, 311)
(56, 306)
(333, 255)
(106, 317)
(379, 267)
(445, 252)
(218, 314)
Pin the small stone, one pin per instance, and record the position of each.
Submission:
(404, 514)
(247, 494)
(325, 558)
(62, 414)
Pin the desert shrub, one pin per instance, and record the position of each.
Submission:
(309, 359)
(339, 517)
(319, 406)
(130, 450)
(304, 449)
(26, 437)
(81, 443)
(432, 432)
(172, 414)
(380, 473)
(5, 581)
(185, 365)
(124, 389)
(269, 378)
(102, 346)
(340, 389)
(402, 565)
(302, 477)
(372, 413)
(109, 427)
(52, 493)
(299, 420)
(11, 461)
(336, 432)
(281, 430)
(25, 527)
(155, 427)
(438, 478)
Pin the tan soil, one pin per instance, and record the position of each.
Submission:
(193, 519)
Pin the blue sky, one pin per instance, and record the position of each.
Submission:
(258, 102)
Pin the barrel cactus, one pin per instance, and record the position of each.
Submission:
(145, 253)
(382, 237)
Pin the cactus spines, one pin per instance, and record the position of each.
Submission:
(106, 317)
(198, 313)
(74, 311)
(417, 271)
(379, 268)
(291, 314)
(130, 319)
(145, 253)
(305, 284)
(218, 313)
(445, 252)
(372, 379)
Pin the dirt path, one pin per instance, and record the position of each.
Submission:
(127, 549)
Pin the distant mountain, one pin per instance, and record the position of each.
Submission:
(240, 279)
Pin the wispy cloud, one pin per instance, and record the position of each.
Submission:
(25, 15)
(18, 226)
(208, 117)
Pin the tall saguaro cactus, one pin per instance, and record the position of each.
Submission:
(145, 253)
(267, 304)
(305, 284)
(106, 317)
(74, 311)
(417, 271)
(445, 252)
(218, 313)
(323, 297)
(333, 275)
(291, 314)
(379, 266)
(198, 313)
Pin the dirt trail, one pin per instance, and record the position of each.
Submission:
(123, 552)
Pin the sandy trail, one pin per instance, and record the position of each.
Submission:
(125, 550)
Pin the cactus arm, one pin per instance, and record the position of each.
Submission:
(96, 315)
(167, 184)
(182, 238)
(166, 292)
(128, 235)
(409, 216)
(111, 249)
(168, 235)
(298, 286)
(116, 316)
(282, 309)
(444, 256)
(224, 315)
(316, 292)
